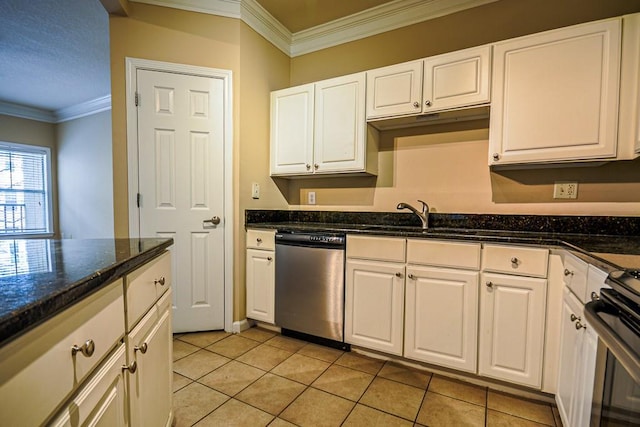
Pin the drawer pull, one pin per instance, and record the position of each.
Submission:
(131, 368)
(160, 281)
(595, 296)
(142, 348)
(580, 325)
(489, 285)
(573, 317)
(567, 272)
(259, 240)
(269, 258)
(87, 349)
(515, 261)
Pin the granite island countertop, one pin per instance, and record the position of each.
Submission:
(39, 278)
(610, 243)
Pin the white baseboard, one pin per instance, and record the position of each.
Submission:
(241, 325)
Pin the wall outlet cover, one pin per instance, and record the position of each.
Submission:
(311, 198)
(565, 190)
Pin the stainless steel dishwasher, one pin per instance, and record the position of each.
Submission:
(310, 286)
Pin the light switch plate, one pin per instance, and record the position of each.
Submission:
(311, 197)
(565, 190)
(255, 190)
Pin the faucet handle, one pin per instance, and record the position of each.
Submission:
(425, 206)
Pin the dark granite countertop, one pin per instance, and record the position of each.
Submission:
(610, 243)
(39, 278)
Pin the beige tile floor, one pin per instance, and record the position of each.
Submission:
(259, 378)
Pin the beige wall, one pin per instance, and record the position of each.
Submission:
(447, 165)
(85, 177)
(32, 132)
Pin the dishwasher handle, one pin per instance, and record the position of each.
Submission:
(311, 240)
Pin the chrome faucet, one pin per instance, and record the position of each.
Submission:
(424, 215)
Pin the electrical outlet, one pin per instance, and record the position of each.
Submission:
(565, 190)
(311, 197)
(255, 190)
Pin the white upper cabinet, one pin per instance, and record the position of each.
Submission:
(555, 95)
(443, 82)
(292, 130)
(457, 79)
(320, 128)
(395, 90)
(629, 125)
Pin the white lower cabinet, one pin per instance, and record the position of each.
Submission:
(149, 350)
(374, 305)
(102, 401)
(260, 275)
(512, 317)
(441, 317)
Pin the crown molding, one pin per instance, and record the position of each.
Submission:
(258, 18)
(377, 20)
(83, 109)
(228, 8)
(24, 112)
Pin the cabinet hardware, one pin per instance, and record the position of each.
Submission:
(416, 104)
(496, 156)
(573, 317)
(308, 166)
(595, 296)
(515, 261)
(580, 325)
(567, 272)
(259, 240)
(316, 166)
(427, 103)
(269, 258)
(87, 348)
(131, 368)
(161, 281)
(400, 275)
(411, 276)
(142, 348)
(489, 285)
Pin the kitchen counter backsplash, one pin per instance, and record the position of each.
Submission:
(590, 225)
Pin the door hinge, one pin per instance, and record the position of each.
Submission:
(137, 99)
(138, 198)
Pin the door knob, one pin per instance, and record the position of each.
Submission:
(214, 220)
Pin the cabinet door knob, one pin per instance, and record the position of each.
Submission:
(515, 261)
(86, 349)
(496, 156)
(269, 258)
(259, 240)
(580, 325)
(398, 274)
(573, 317)
(595, 296)
(161, 281)
(308, 166)
(567, 272)
(131, 368)
(411, 276)
(416, 104)
(489, 285)
(315, 166)
(427, 103)
(142, 348)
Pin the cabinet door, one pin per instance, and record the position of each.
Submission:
(340, 125)
(102, 401)
(457, 79)
(570, 343)
(581, 415)
(441, 317)
(555, 95)
(260, 285)
(374, 305)
(395, 90)
(292, 130)
(150, 386)
(512, 317)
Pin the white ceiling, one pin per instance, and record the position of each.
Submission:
(54, 54)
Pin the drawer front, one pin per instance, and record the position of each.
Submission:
(144, 287)
(261, 239)
(39, 371)
(376, 248)
(575, 276)
(518, 260)
(444, 254)
(595, 281)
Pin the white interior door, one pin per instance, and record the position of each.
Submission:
(181, 186)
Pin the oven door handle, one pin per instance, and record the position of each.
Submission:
(622, 352)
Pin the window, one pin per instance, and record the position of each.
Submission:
(25, 200)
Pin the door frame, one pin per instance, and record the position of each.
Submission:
(132, 66)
